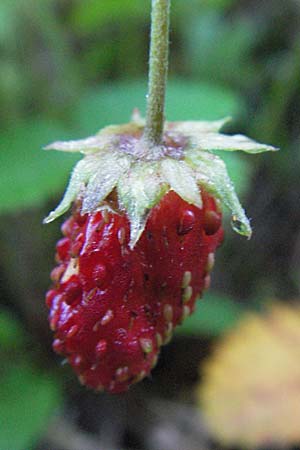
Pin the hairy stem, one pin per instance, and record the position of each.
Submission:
(158, 70)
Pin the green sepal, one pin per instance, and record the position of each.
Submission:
(92, 180)
(142, 175)
(181, 179)
(82, 172)
(92, 144)
(139, 191)
(211, 173)
(218, 141)
(205, 136)
(106, 139)
(106, 175)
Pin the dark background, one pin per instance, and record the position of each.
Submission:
(69, 68)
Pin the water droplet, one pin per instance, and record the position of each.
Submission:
(238, 226)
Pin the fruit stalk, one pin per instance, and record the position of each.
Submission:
(158, 70)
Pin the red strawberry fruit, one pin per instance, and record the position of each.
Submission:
(112, 307)
(139, 246)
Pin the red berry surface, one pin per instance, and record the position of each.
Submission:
(112, 307)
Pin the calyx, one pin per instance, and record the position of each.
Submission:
(118, 158)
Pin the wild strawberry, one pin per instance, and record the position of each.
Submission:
(113, 307)
(139, 246)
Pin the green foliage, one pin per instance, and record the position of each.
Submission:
(186, 100)
(214, 314)
(27, 399)
(30, 176)
(11, 335)
(217, 4)
(7, 20)
(183, 11)
(28, 396)
(91, 15)
(220, 49)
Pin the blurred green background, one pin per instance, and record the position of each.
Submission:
(70, 67)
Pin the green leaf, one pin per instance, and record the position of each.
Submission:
(8, 21)
(29, 175)
(27, 400)
(188, 9)
(11, 334)
(186, 100)
(216, 46)
(213, 315)
(92, 14)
